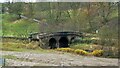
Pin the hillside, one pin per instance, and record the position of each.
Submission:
(18, 27)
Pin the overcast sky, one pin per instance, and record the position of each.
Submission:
(1, 1)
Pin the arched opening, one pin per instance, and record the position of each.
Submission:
(63, 42)
(52, 43)
(72, 40)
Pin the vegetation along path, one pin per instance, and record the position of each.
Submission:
(54, 59)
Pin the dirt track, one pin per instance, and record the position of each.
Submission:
(56, 59)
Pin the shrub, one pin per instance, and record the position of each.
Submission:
(81, 52)
(77, 51)
(89, 54)
(71, 50)
(97, 53)
(65, 49)
(58, 49)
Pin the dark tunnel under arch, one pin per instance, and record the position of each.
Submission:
(63, 42)
(52, 43)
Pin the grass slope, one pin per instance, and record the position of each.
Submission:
(11, 26)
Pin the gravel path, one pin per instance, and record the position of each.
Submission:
(56, 59)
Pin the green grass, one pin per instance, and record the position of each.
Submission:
(80, 46)
(12, 26)
(85, 43)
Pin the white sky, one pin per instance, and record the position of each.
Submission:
(1, 1)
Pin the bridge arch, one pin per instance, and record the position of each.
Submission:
(72, 39)
(52, 43)
(63, 42)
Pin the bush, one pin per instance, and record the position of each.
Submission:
(97, 53)
(77, 51)
(81, 52)
(65, 49)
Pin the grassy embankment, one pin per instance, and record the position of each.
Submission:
(11, 26)
(21, 46)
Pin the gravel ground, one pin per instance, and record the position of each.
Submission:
(56, 59)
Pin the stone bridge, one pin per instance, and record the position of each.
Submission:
(55, 39)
